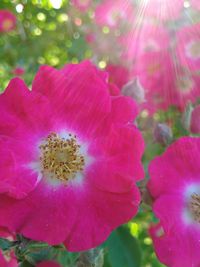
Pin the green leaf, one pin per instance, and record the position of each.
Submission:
(123, 249)
(25, 264)
(66, 258)
(5, 244)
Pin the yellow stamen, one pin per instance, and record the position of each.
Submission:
(194, 207)
(61, 158)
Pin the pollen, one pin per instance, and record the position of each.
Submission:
(61, 157)
(194, 207)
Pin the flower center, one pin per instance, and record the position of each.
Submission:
(195, 49)
(184, 84)
(7, 24)
(194, 207)
(153, 68)
(115, 15)
(61, 157)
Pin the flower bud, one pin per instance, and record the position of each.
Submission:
(162, 134)
(135, 90)
(186, 119)
(195, 120)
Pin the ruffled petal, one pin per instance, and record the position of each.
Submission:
(84, 96)
(177, 167)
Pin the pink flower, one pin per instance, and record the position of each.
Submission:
(188, 47)
(186, 86)
(175, 187)
(114, 13)
(162, 10)
(82, 5)
(70, 157)
(144, 39)
(18, 71)
(7, 20)
(48, 264)
(195, 120)
(153, 70)
(195, 4)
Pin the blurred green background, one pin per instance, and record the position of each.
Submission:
(44, 35)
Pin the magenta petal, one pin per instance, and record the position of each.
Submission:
(99, 220)
(82, 207)
(177, 167)
(124, 109)
(23, 108)
(48, 264)
(78, 90)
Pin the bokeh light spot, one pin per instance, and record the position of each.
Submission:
(19, 8)
(102, 64)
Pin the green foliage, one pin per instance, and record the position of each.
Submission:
(26, 264)
(6, 244)
(66, 259)
(44, 35)
(123, 249)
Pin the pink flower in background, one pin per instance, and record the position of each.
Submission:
(7, 20)
(19, 71)
(175, 187)
(195, 4)
(104, 47)
(153, 70)
(48, 264)
(195, 120)
(188, 47)
(162, 10)
(114, 13)
(72, 159)
(143, 39)
(186, 86)
(82, 5)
